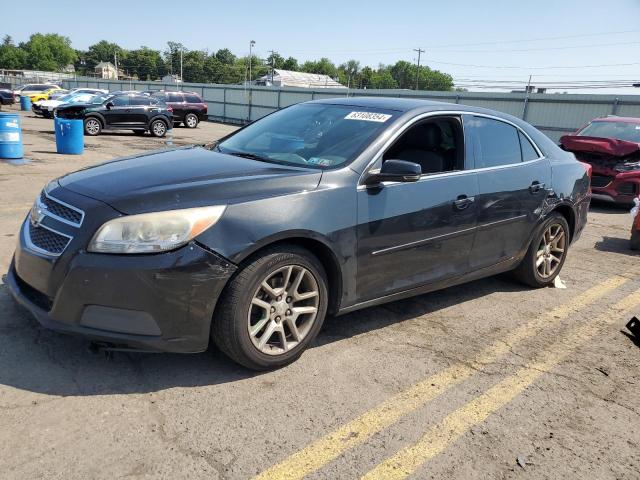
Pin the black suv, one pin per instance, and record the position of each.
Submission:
(188, 107)
(139, 113)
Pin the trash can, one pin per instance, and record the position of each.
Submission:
(10, 136)
(69, 136)
(25, 103)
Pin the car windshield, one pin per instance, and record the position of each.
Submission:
(66, 98)
(627, 131)
(310, 135)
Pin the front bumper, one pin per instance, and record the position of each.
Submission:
(620, 187)
(161, 302)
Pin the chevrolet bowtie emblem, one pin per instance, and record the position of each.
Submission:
(37, 215)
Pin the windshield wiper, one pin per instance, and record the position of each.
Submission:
(251, 156)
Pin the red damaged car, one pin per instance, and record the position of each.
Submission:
(611, 145)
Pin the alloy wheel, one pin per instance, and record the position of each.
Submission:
(159, 128)
(92, 127)
(551, 250)
(191, 121)
(283, 309)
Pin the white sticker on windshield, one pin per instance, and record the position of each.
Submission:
(368, 116)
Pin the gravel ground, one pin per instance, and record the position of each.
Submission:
(486, 380)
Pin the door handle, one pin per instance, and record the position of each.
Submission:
(463, 202)
(536, 186)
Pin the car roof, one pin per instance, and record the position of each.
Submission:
(617, 119)
(414, 105)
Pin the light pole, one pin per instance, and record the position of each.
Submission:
(252, 44)
(181, 80)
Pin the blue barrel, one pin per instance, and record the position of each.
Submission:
(25, 103)
(69, 136)
(10, 136)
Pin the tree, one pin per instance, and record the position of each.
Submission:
(145, 63)
(225, 57)
(276, 60)
(324, 66)
(193, 66)
(291, 64)
(48, 51)
(103, 51)
(172, 56)
(11, 57)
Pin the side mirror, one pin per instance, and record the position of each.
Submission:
(394, 171)
(109, 105)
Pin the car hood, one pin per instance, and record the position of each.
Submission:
(186, 177)
(611, 147)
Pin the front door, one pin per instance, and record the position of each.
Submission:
(414, 234)
(116, 115)
(513, 181)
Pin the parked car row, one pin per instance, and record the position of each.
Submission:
(124, 111)
(154, 111)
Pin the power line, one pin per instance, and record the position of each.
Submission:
(541, 49)
(533, 68)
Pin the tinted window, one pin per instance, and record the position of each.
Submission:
(121, 101)
(528, 152)
(174, 97)
(192, 98)
(495, 143)
(140, 100)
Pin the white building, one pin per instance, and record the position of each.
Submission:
(287, 78)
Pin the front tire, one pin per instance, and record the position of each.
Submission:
(158, 128)
(92, 126)
(191, 120)
(546, 254)
(272, 309)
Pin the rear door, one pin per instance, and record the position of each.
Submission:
(513, 180)
(176, 101)
(138, 112)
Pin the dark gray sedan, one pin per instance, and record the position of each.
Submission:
(322, 207)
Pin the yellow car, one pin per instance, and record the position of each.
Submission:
(37, 92)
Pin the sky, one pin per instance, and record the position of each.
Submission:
(480, 43)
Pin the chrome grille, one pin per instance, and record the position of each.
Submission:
(43, 238)
(60, 210)
(46, 240)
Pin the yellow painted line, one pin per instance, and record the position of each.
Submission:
(441, 436)
(322, 451)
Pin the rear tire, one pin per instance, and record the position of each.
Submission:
(272, 308)
(92, 126)
(546, 254)
(158, 128)
(191, 120)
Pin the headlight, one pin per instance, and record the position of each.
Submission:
(154, 232)
(627, 167)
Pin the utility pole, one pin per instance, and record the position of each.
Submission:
(273, 63)
(420, 51)
(116, 59)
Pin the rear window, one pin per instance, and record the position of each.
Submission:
(174, 97)
(528, 152)
(495, 143)
(192, 98)
(37, 88)
(140, 100)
